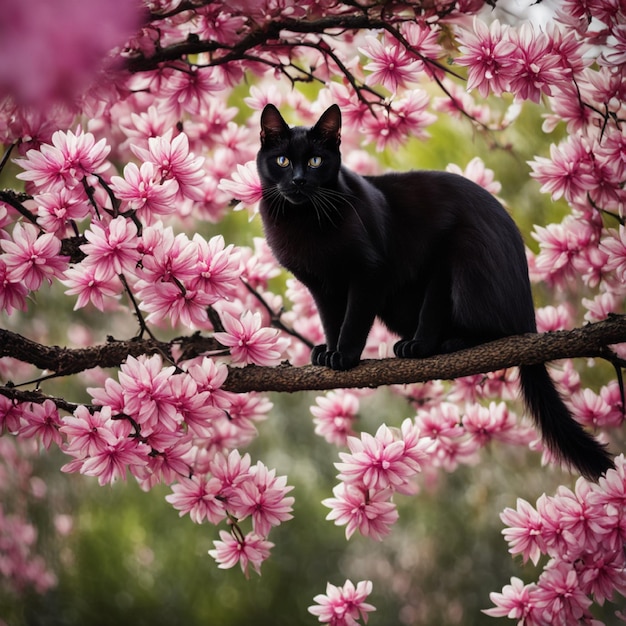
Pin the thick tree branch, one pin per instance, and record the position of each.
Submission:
(592, 340)
(67, 361)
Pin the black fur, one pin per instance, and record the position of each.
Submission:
(432, 254)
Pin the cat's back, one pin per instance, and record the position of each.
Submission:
(432, 201)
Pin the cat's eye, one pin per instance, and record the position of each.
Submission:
(283, 161)
(315, 161)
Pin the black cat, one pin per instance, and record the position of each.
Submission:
(432, 254)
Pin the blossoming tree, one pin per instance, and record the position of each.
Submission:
(122, 142)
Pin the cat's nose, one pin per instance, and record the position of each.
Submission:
(298, 181)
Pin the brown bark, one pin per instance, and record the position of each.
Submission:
(592, 340)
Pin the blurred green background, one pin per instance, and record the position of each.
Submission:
(130, 560)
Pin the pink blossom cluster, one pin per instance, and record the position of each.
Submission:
(174, 427)
(582, 533)
(343, 606)
(375, 468)
(233, 491)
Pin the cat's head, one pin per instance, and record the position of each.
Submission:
(295, 164)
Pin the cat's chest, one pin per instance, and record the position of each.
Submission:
(308, 248)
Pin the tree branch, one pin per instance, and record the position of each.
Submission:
(67, 361)
(592, 340)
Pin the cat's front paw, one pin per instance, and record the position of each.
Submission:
(412, 349)
(320, 355)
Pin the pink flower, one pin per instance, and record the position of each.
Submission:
(112, 249)
(249, 342)
(537, 68)
(189, 89)
(375, 463)
(193, 405)
(248, 550)
(559, 599)
(492, 422)
(66, 162)
(442, 424)
(560, 244)
(173, 162)
(166, 463)
(390, 65)
(614, 245)
(112, 462)
(142, 190)
(517, 601)
(334, 415)
(568, 172)
(488, 53)
(82, 281)
(424, 37)
(372, 514)
(87, 433)
(12, 294)
(210, 376)
(198, 496)
(551, 318)
(41, 420)
(147, 393)
(111, 395)
(168, 300)
(343, 606)
(604, 573)
(263, 497)
(10, 415)
(230, 470)
(589, 408)
(524, 534)
(405, 117)
(170, 259)
(32, 258)
(57, 209)
(244, 185)
(217, 269)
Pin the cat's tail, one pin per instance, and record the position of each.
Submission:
(566, 439)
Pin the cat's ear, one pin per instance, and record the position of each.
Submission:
(329, 125)
(273, 126)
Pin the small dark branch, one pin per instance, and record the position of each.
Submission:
(275, 318)
(91, 196)
(6, 156)
(19, 395)
(115, 203)
(71, 247)
(15, 199)
(215, 319)
(602, 211)
(256, 37)
(143, 327)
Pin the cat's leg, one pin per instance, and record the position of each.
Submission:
(434, 320)
(360, 315)
(331, 306)
(343, 349)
